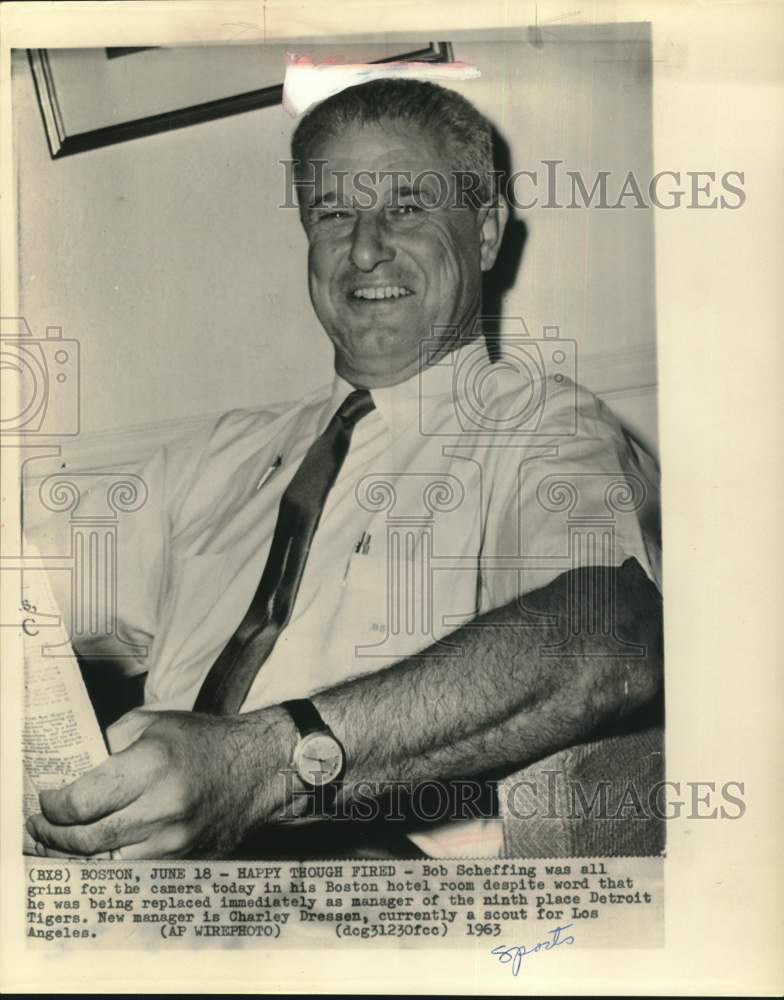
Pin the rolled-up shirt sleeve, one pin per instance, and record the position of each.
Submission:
(579, 492)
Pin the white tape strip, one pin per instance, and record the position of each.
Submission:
(306, 83)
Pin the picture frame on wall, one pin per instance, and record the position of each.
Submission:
(91, 98)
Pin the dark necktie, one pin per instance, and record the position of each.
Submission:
(230, 677)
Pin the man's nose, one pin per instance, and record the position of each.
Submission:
(370, 245)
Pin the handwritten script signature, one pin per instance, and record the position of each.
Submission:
(517, 953)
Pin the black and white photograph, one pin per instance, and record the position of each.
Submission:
(337, 561)
(404, 553)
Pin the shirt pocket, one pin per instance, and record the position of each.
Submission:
(396, 600)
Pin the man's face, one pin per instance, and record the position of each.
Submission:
(388, 264)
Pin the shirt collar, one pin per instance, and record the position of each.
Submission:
(399, 405)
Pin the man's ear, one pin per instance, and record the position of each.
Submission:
(492, 223)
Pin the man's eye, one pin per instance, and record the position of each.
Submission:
(329, 217)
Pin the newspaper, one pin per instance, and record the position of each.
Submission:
(61, 738)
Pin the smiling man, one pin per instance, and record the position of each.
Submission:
(395, 253)
(365, 609)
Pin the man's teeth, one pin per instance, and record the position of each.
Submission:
(388, 292)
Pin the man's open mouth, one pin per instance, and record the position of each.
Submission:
(382, 292)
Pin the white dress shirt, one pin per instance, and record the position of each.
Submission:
(466, 486)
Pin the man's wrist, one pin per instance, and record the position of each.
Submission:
(270, 738)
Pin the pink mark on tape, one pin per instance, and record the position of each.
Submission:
(306, 83)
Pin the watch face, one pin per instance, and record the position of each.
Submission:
(318, 758)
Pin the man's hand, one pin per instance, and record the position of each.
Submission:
(190, 785)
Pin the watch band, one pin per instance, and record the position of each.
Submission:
(306, 716)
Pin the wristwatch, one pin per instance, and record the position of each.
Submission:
(319, 759)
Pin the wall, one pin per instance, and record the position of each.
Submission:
(170, 262)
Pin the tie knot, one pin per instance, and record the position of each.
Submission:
(355, 406)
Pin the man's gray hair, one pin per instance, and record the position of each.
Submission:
(464, 130)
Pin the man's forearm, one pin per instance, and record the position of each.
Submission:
(505, 697)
